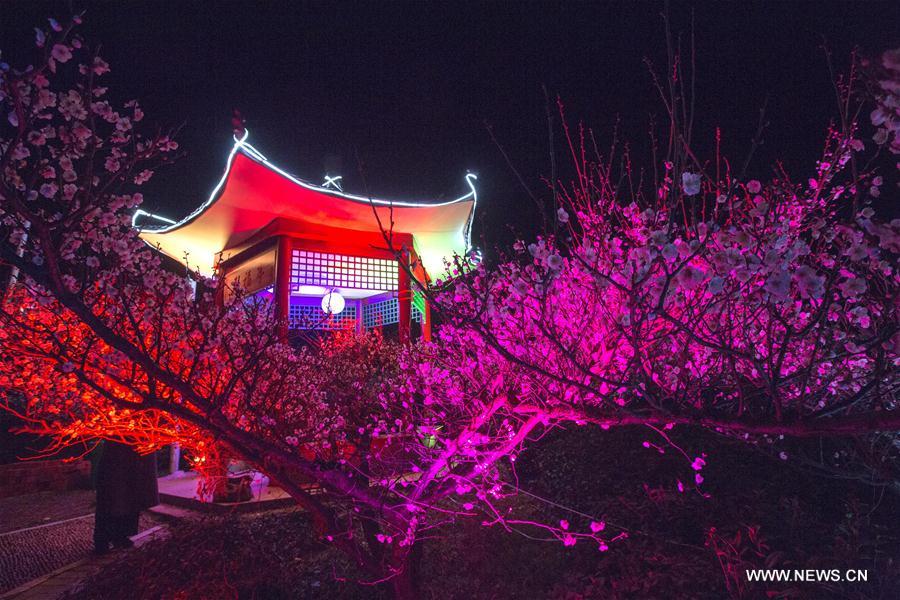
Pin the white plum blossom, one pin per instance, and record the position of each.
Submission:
(690, 277)
(554, 262)
(809, 283)
(670, 252)
(715, 285)
(852, 287)
(61, 53)
(690, 183)
(100, 66)
(48, 190)
(779, 284)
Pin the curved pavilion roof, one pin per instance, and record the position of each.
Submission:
(253, 192)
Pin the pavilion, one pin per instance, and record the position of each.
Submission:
(328, 259)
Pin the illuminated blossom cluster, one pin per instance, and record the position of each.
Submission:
(760, 310)
(100, 341)
(886, 114)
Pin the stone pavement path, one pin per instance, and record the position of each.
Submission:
(66, 580)
(29, 510)
(30, 551)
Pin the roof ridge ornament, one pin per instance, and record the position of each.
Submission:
(334, 182)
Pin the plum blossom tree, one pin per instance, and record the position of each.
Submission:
(756, 309)
(100, 341)
(763, 310)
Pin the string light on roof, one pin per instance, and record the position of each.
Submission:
(143, 213)
(440, 232)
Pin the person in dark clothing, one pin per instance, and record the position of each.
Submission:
(126, 485)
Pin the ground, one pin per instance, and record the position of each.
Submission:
(20, 512)
(45, 531)
(681, 545)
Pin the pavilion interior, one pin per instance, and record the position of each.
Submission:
(367, 289)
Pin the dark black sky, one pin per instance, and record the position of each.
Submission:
(409, 85)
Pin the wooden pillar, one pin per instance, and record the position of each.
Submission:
(283, 284)
(426, 322)
(404, 296)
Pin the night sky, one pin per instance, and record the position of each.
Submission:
(408, 87)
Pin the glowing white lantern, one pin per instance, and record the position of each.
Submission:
(333, 303)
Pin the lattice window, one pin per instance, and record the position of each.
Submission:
(386, 312)
(302, 316)
(338, 270)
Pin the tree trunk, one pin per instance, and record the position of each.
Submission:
(403, 587)
(405, 584)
